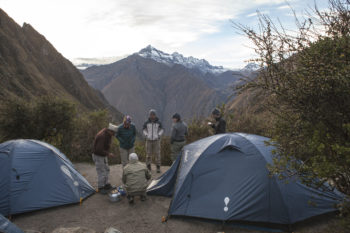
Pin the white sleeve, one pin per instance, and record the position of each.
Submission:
(160, 132)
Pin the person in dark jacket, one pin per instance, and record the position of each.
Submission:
(178, 136)
(153, 130)
(220, 124)
(126, 136)
(100, 156)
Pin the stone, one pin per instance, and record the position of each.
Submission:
(73, 230)
(112, 230)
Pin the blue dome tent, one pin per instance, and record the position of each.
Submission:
(8, 227)
(35, 175)
(225, 177)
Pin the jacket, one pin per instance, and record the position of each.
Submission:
(153, 130)
(178, 132)
(219, 126)
(126, 136)
(102, 143)
(135, 177)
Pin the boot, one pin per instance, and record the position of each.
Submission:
(149, 167)
(158, 169)
(131, 199)
(109, 187)
(102, 190)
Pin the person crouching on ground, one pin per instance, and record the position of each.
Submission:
(100, 156)
(220, 124)
(126, 136)
(153, 130)
(178, 136)
(135, 178)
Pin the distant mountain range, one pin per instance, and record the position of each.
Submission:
(176, 58)
(30, 66)
(169, 83)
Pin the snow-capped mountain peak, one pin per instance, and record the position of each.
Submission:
(251, 67)
(177, 58)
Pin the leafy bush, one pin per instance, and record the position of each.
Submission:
(47, 118)
(55, 121)
(140, 149)
(306, 77)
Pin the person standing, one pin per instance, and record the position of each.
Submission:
(153, 130)
(178, 136)
(126, 136)
(102, 144)
(135, 178)
(220, 124)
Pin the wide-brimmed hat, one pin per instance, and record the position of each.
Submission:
(112, 127)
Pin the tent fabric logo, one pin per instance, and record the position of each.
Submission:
(226, 201)
(66, 171)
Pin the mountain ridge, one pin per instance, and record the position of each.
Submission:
(136, 84)
(30, 66)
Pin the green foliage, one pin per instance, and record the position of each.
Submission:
(47, 118)
(55, 121)
(198, 129)
(140, 149)
(87, 126)
(307, 80)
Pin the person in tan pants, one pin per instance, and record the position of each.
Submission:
(153, 130)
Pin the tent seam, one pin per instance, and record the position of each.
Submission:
(279, 190)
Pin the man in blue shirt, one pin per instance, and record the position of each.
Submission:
(126, 136)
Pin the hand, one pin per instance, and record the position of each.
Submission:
(111, 155)
(210, 123)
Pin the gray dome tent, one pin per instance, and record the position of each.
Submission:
(225, 177)
(35, 175)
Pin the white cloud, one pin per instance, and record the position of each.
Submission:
(284, 7)
(258, 12)
(103, 28)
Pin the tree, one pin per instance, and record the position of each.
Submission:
(305, 79)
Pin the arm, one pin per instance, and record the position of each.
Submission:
(118, 136)
(148, 174)
(107, 145)
(173, 134)
(133, 135)
(145, 131)
(124, 177)
(160, 130)
(222, 126)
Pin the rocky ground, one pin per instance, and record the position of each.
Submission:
(97, 214)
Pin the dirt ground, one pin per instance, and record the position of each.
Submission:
(98, 213)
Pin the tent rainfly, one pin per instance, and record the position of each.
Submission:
(225, 177)
(35, 175)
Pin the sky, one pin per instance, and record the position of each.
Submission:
(108, 28)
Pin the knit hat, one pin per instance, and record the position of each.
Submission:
(177, 116)
(133, 156)
(216, 112)
(127, 119)
(152, 111)
(112, 127)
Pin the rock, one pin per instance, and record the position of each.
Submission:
(73, 230)
(31, 231)
(112, 230)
